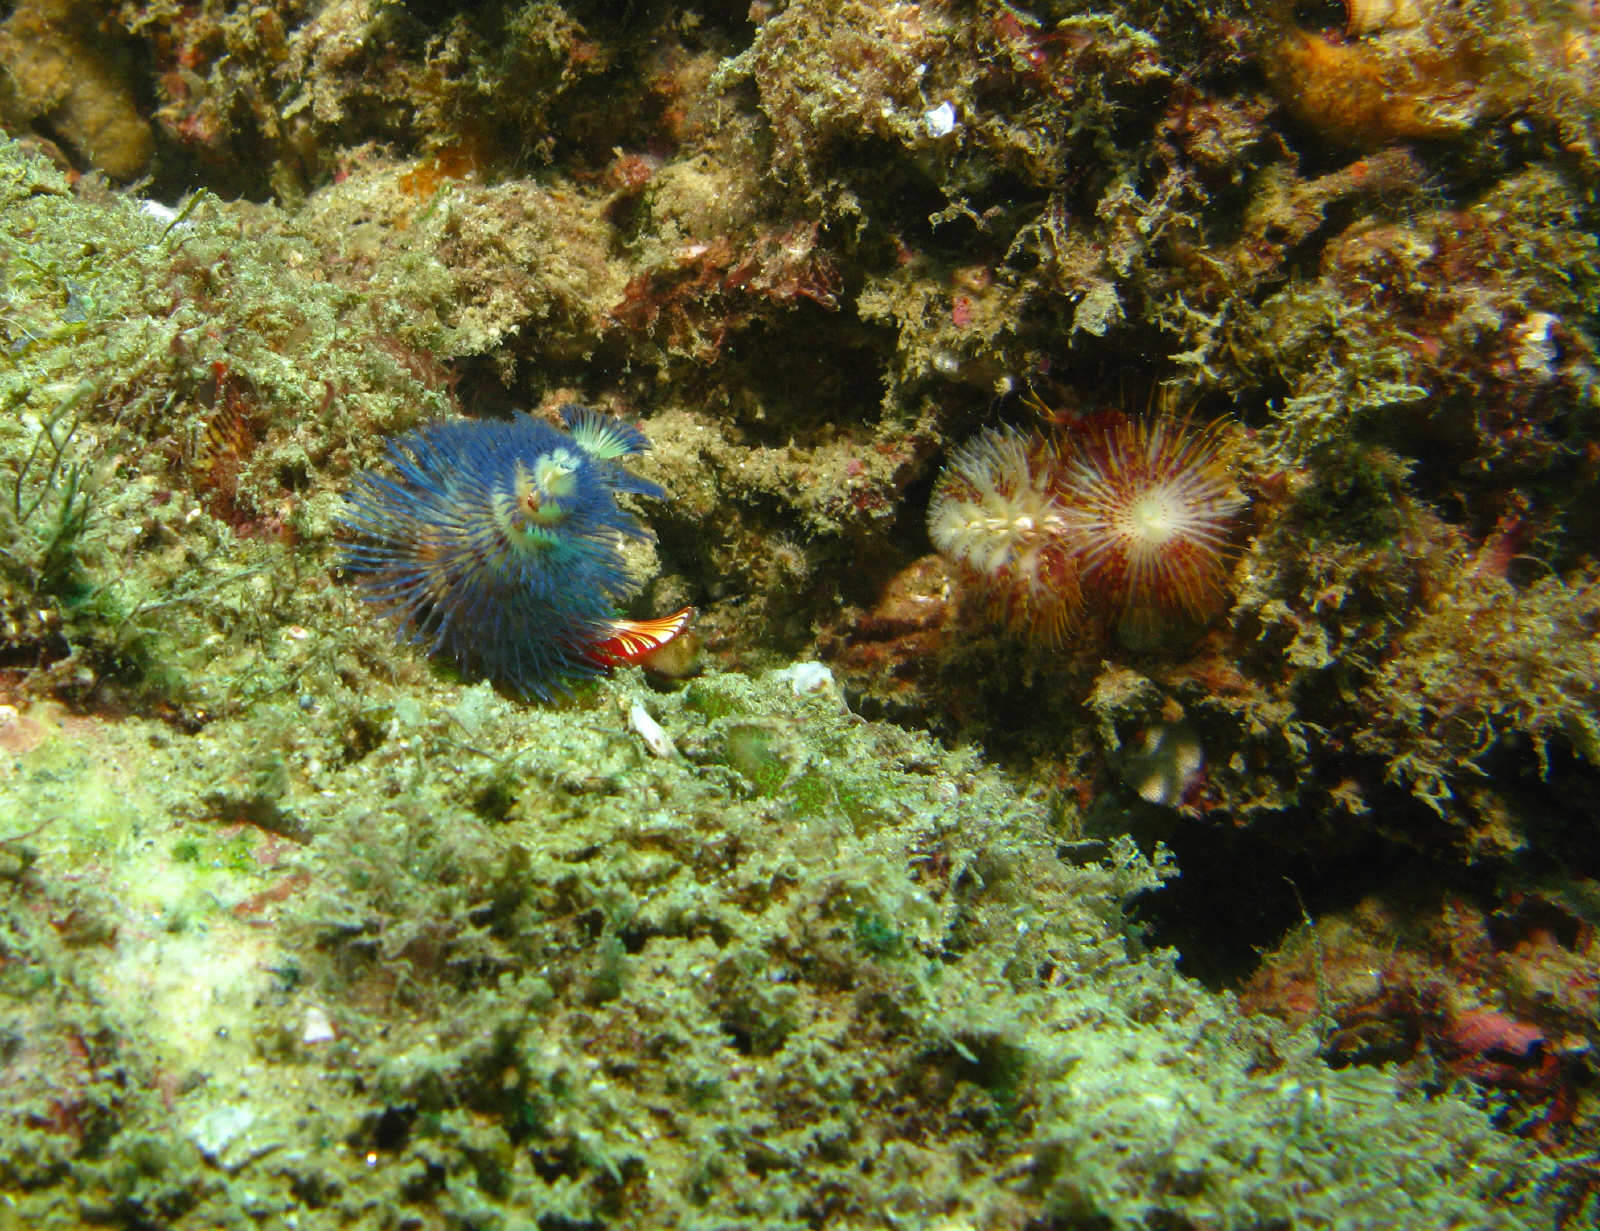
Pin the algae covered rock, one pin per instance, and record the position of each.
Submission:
(295, 930)
(434, 952)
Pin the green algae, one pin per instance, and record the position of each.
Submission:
(493, 967)
(645, 990)
(1487, 663)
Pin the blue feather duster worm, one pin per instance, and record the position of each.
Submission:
(499, 543)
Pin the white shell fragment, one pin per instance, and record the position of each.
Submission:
(216, 1132)
(806, 677)
(1534, 347)
(941, 120)
(655, 739)
(317, 1029)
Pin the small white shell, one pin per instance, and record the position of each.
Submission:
(318, 1029)
(655, 739)
(941, 120)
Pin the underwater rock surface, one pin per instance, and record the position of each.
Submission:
(499, 964)
(299, 930)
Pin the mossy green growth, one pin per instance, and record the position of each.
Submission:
(757, 753)
(167, 431)
(877, 936)
(1456, 286)
(813, 793)
(711, 697)
(1486, 661)
(186, 850)
(870, 1009)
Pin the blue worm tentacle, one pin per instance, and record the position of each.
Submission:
(498, 543)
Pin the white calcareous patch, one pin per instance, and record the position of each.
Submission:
(941, 120)
(316, 1027)
(806, 677)
(1534, 346)
(649, 730)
